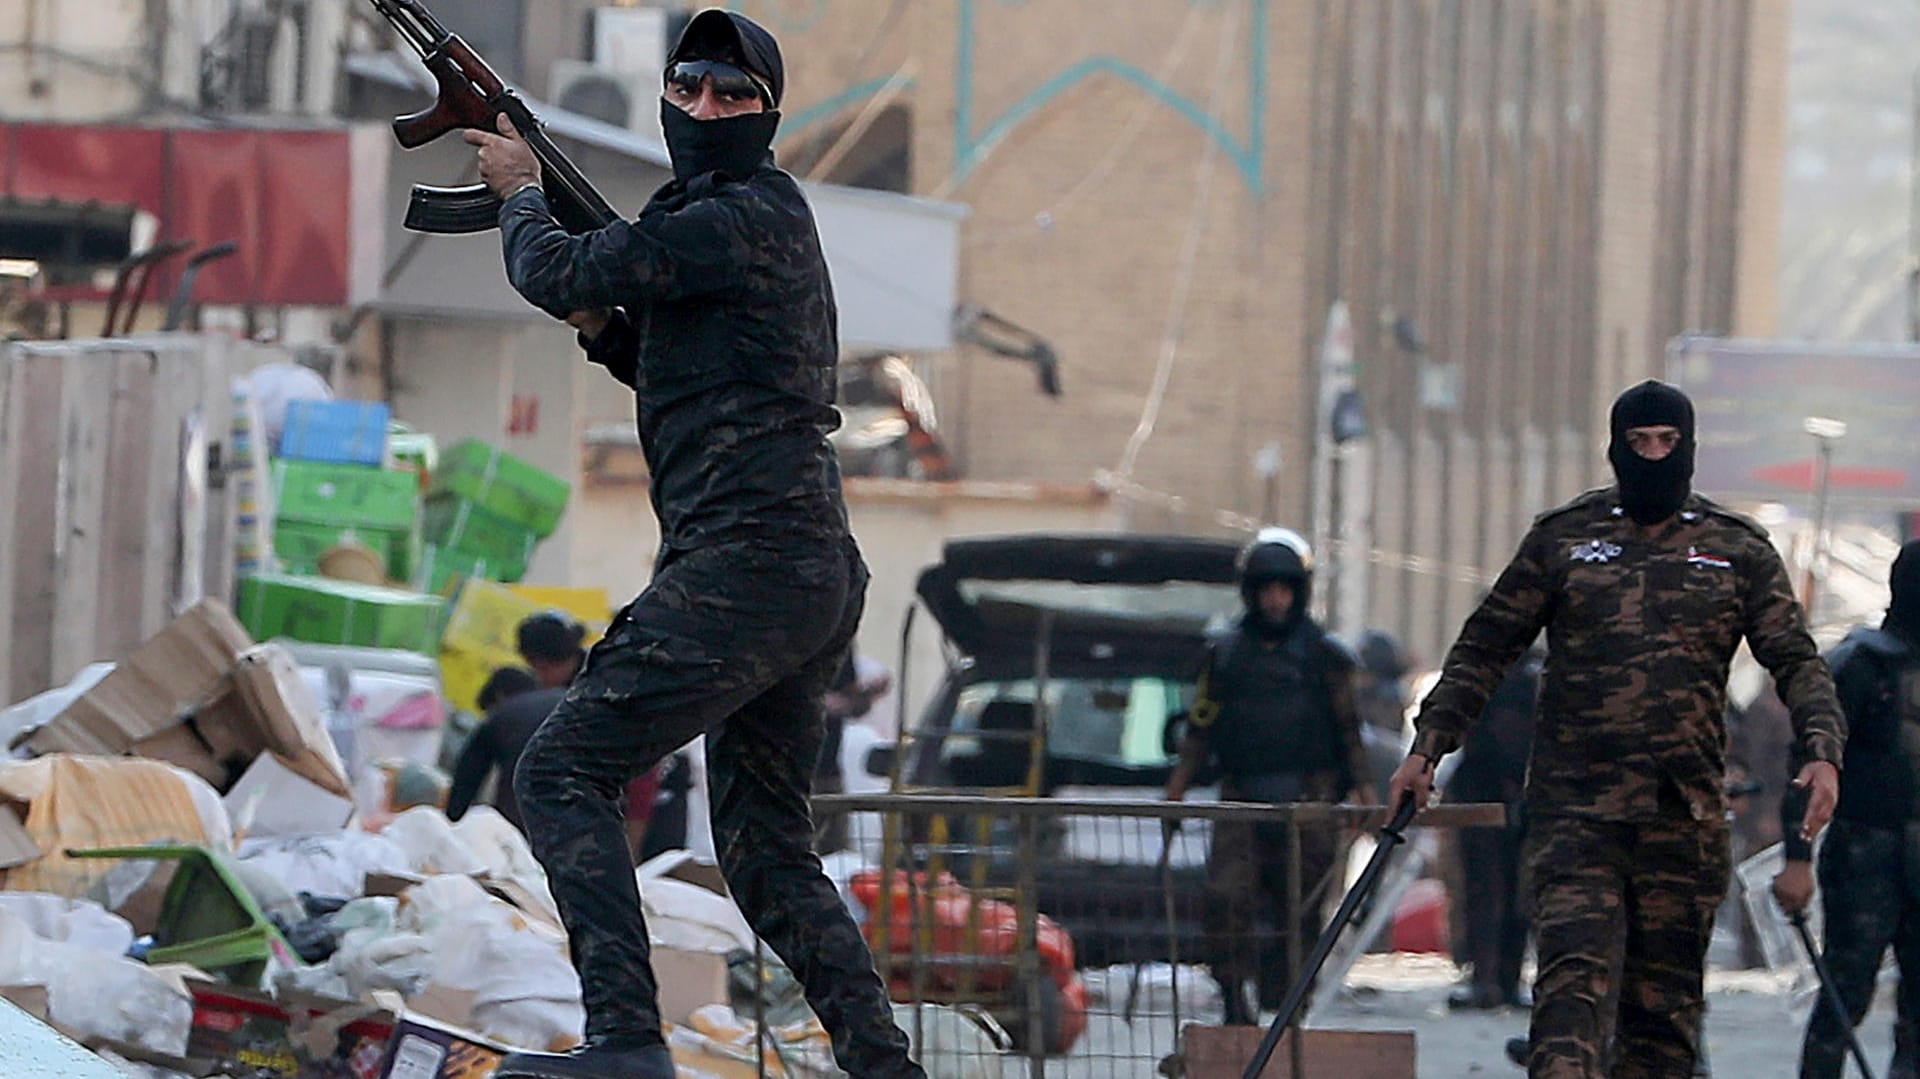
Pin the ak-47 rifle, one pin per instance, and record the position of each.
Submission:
(472, 96)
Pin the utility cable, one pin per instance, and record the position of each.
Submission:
(1170, 336)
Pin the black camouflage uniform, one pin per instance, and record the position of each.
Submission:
(1644, 590)
(1870, 860)
(727, 335)
(1276, 710)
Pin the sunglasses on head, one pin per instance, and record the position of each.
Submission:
(729, 81)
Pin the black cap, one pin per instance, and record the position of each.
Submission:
(550, 636)
(732, 38)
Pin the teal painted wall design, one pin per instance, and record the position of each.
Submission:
(974, 137)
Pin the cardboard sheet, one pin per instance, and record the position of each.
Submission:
(78, 802)
(163, 681)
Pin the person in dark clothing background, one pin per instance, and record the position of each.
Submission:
(505, 684)
(515, 705)
(1493, 768)
(1276, 710)
(1869, 865)
(550, 644)
(715, 307)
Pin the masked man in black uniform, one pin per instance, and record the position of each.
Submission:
(715, 307)
(1276, 710)
(1870, 863)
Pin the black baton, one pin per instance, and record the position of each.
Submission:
(1829, 993)
(1390, 837)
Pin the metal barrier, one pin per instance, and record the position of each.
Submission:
(1055, 937)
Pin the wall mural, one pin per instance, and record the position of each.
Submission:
(974, 136)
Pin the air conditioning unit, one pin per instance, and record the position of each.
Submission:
(623, 100)
(631, 40)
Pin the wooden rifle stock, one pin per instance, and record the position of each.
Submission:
(471, 96)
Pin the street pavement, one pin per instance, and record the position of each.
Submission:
(1754, 1020)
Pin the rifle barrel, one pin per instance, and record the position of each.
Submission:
(419, 11)
(403, 22)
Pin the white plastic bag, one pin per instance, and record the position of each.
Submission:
(430, 843)
(956, 1046)
(79, 922)
(330, 865)
(525, 992)
(94, 994)
(498, 845)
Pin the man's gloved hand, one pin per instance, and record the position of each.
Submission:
(1793, 886)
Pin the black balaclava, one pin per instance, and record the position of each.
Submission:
(1652, 491)
(1903, 614)
(737, 145)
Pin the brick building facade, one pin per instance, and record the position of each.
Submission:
(1540, 193)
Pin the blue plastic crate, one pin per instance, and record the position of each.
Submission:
(342, 432)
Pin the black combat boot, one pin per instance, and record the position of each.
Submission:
(590, 1062)
(1238, 1012)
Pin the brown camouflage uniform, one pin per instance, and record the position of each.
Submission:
(1628, 855)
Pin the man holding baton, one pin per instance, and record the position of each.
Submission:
(1869, 864)
(1644, 590)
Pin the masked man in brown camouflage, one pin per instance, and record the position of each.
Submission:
(1644, 590)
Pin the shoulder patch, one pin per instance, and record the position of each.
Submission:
(1584, 500)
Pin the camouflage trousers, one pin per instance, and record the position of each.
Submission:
(1247, 868)
(1869, 898)
(1635, 898)
(738, 642)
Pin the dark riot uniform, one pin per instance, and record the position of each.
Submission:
(1627, 845)
(1278, 714)
(1869, 868)
(727, 336)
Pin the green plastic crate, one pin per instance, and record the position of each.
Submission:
(502, 484)
(300, 545)
(443, 567)
(208, 918)
(345, 496)
(458, 524)
(339, 612)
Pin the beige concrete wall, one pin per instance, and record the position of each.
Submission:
(74, 61)
(1763, 164)
(460, 380)
(1550, 188)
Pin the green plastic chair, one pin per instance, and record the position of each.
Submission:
(208, 918)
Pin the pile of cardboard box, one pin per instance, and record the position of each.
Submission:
(202, 738)
(201, 695)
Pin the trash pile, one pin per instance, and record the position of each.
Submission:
(207, 871)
